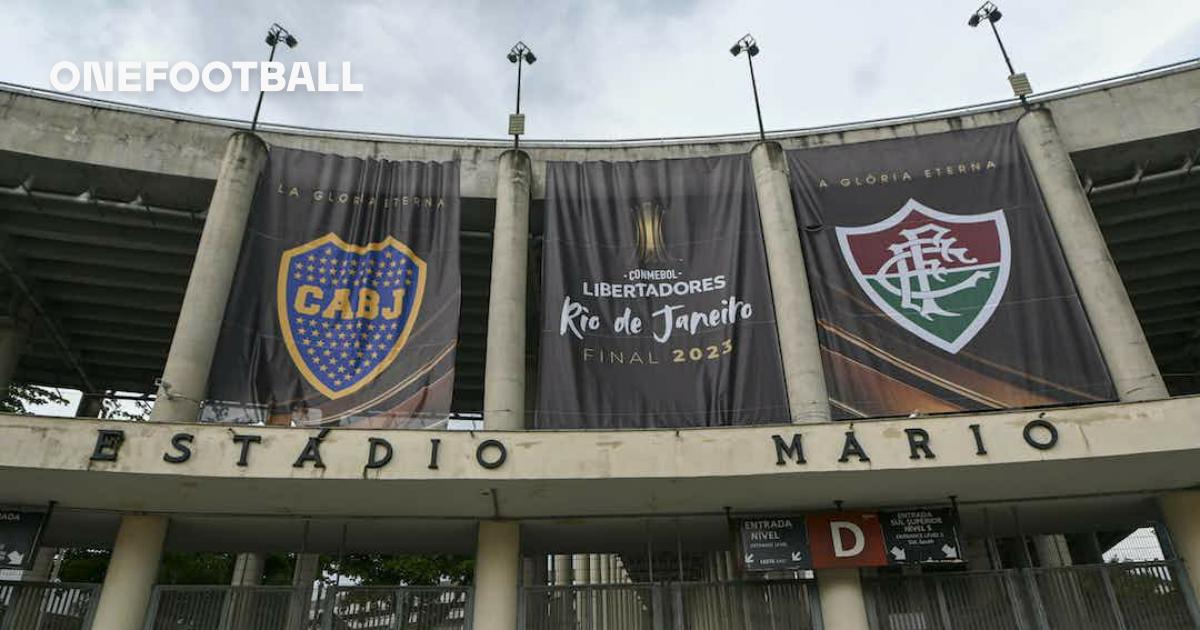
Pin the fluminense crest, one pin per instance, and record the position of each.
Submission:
(939, 276)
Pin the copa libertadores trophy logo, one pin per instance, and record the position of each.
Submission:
(939, 276)
(347, 310)
(648, 223)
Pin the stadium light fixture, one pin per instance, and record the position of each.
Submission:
(275, 34)
(519, 54)
(1019, 82)
(748, 44)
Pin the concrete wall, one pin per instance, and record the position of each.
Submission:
(1109, 449)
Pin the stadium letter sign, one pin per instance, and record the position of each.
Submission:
(657, 309)
(344, 310)
(937, 279)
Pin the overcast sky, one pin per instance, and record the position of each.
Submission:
(615, 69)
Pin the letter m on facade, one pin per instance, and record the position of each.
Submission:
(785, 450)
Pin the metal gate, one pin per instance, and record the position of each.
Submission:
(774, 605)
(47, 605)
(1118, 596)
(324, 607)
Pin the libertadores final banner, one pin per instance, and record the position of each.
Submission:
(657, 308)
(344, 309)
(938, 281)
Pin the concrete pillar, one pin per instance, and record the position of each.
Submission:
(794, 317)
(185, 375)
(595, 562)
(1181, 515)
(248, 569)
(504, 373)
(842, 603)
(497, 564)
(606, 565)
(562, 570)
(131, 573)
(1120, 336)
(583, 568)
(1052, 550)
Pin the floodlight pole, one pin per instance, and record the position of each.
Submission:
(762, 134)
(1003, 50)
(517, 136)
(273, 34)
(747, 45)
(261, 93)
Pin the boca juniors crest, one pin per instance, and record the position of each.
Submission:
(346, 311)
(939, 276)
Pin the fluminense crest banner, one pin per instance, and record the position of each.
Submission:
(657, 308)
(344, 309)
(937, 278)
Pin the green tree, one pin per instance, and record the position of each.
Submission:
(20, 397)
(425, 570)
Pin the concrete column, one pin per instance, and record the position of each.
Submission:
(504, 373)
(562, 570)
(188, 362)
(842, 603)
(606, 569)
(794, 317)
(596, 563)
(1181, 515)
(131, 573)
(1113, 319)
(1052, 550)
(248, 569)
(497, 564)
(583, 569)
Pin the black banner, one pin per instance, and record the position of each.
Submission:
(344, 309)
(937, 279)
(657, 308)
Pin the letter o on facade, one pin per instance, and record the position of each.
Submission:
(1041, 445)
(490, 445)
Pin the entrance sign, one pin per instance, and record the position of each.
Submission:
(937, 279)
(344, 307)
(774, 544)
(921, 535)
(846, 539)
(19, 534)
(657, 308)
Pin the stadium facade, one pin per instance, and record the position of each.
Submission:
(585, 502)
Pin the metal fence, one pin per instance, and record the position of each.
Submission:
(233, 608)
(777, 605)
(324, 607)
(1120, 596)
(47, 606)
(397, 608)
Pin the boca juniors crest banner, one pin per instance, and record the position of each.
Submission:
(344, 309)
(657, 307)
(937, 279)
